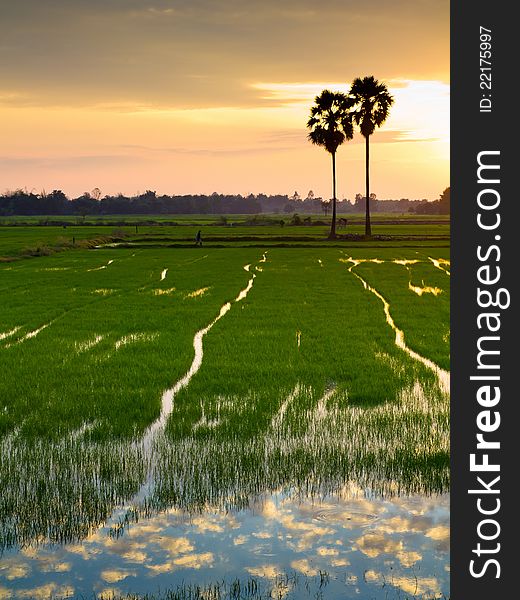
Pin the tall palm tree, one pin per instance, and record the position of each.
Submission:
(373, 102)
(331, 124)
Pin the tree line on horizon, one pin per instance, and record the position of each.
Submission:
(25, 203)
(332, 121)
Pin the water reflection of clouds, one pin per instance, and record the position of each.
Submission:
(115, 575)
(357, 540)
(268, 571)
(416, 586)
(302, 566)
(14, 568)
(240, 539)
(375, 544)
(41, 592)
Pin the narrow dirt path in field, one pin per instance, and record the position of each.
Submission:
(443, 376)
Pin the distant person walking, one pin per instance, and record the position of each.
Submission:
(198, 239)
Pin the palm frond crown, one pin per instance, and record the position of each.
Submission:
(331, 121)
(372, 102)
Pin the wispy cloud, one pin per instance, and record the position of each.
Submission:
(68, 162)
(208, 151)
(203, 53)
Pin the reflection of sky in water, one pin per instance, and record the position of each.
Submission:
(367, 546)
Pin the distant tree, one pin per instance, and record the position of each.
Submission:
(444, 202)
(295, 197)
(96, 193)
(372, 106)
(325, 206)
(310, 195)
(331, 124)
(55, 203)
(85, 205)
(359, 203)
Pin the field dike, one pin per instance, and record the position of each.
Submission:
(442, 375)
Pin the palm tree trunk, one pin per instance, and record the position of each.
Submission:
(332, 234)
(368, 229)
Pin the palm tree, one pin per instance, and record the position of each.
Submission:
(373, 102)
(331, 124)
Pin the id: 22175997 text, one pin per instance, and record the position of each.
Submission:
(485, 70)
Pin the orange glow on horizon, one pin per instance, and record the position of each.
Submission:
(201, 98)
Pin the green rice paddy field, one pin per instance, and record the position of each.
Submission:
(314, 367)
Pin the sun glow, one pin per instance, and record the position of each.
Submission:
(242, 149)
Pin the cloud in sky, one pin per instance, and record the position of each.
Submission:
(186, 53)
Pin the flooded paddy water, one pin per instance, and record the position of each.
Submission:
(342, 546)
(269, 435)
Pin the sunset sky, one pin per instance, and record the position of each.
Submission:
(197, 96)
